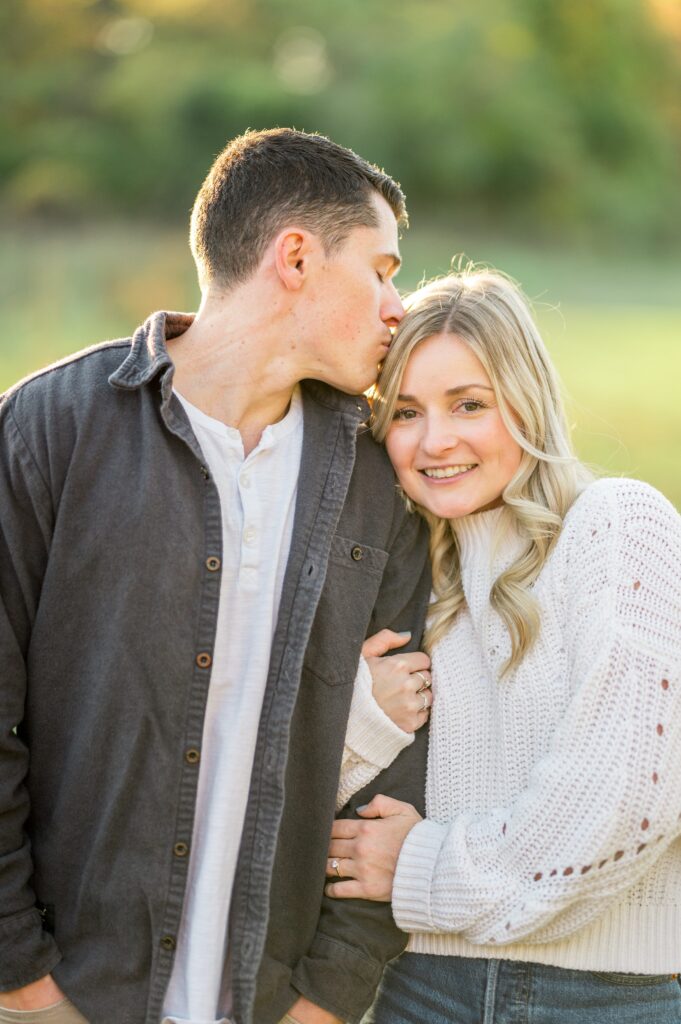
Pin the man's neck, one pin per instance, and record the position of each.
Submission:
(234, 367)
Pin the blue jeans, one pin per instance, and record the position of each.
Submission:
(425, 989)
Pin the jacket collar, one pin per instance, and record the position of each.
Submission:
(148, 356)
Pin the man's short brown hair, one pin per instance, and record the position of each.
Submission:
(263, 180)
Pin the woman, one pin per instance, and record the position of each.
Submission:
(545, 883)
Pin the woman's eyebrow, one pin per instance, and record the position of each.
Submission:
(449, 391)
(467, 387)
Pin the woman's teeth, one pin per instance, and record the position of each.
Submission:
(445, 471)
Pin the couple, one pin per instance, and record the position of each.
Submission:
(198, 534)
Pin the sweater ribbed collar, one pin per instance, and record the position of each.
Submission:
(489, 538)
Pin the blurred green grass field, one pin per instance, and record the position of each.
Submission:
(613, 324)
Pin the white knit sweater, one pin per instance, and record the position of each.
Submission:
(554, 794)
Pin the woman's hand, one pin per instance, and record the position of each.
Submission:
(365, 852)
(401, 685)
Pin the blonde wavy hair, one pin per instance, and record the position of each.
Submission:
(488, 311)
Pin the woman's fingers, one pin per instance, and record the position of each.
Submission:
(367, 850)
(386, 640)
(341, 848)
(345, 890)
(382, 806)
(424, 679)
(398, 685)
(339, 867)
(414, 661)
(345, 828)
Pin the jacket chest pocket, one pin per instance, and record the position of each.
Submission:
(353, 580)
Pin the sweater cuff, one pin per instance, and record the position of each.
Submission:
(412, 886)
(371, 734)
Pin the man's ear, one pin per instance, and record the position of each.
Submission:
(292, 249)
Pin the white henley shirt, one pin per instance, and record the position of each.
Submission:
(257, 498)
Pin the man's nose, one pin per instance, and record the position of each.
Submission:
(392, 309)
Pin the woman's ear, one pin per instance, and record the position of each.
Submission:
(292, 249)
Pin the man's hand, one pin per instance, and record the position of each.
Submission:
(401, 684)
(36, 996)
(366, 852)
(305, 1012)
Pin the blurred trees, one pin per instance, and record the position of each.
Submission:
(564, 115)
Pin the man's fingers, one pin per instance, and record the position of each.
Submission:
(380, 643)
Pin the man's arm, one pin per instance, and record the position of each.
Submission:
(355, 938)
(27, 952)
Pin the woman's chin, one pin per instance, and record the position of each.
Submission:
(448, 508)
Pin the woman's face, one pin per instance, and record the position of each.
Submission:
(448, 443)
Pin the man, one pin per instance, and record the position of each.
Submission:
(193, 547)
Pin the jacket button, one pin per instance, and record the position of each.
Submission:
(180, 849)
(192, 756)
(204, 660)
(212, 563)
(357, 554)
(205, 473)
(168, 942)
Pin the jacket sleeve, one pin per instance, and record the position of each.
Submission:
(356, 938)
(26, 951)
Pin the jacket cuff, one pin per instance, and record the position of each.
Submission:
(371, 734)
(337, 978)
(412, 886)
(27, 951)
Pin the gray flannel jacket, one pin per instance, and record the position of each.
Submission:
(110, 552)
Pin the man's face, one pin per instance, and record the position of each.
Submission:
(353, 303)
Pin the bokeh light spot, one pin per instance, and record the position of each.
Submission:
(301, 60)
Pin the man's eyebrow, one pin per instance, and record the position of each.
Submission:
(449, 391)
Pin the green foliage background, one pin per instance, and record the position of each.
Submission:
(541, 135)
(563, 114)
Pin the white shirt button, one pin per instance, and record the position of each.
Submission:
(245, 480)
(249, 535)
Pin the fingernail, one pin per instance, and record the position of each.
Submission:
(404, 632)
(362, 808)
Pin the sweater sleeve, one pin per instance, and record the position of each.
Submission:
(372, 740)
(605, 801)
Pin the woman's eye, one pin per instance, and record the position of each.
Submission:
(404, 414)
(471, 405)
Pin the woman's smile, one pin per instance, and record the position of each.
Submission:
(446, 473)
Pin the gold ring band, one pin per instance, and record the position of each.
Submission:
(425, 680)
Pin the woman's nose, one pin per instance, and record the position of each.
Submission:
(439, 436)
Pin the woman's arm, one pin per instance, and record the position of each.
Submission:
(391, 699)
(605, 802)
